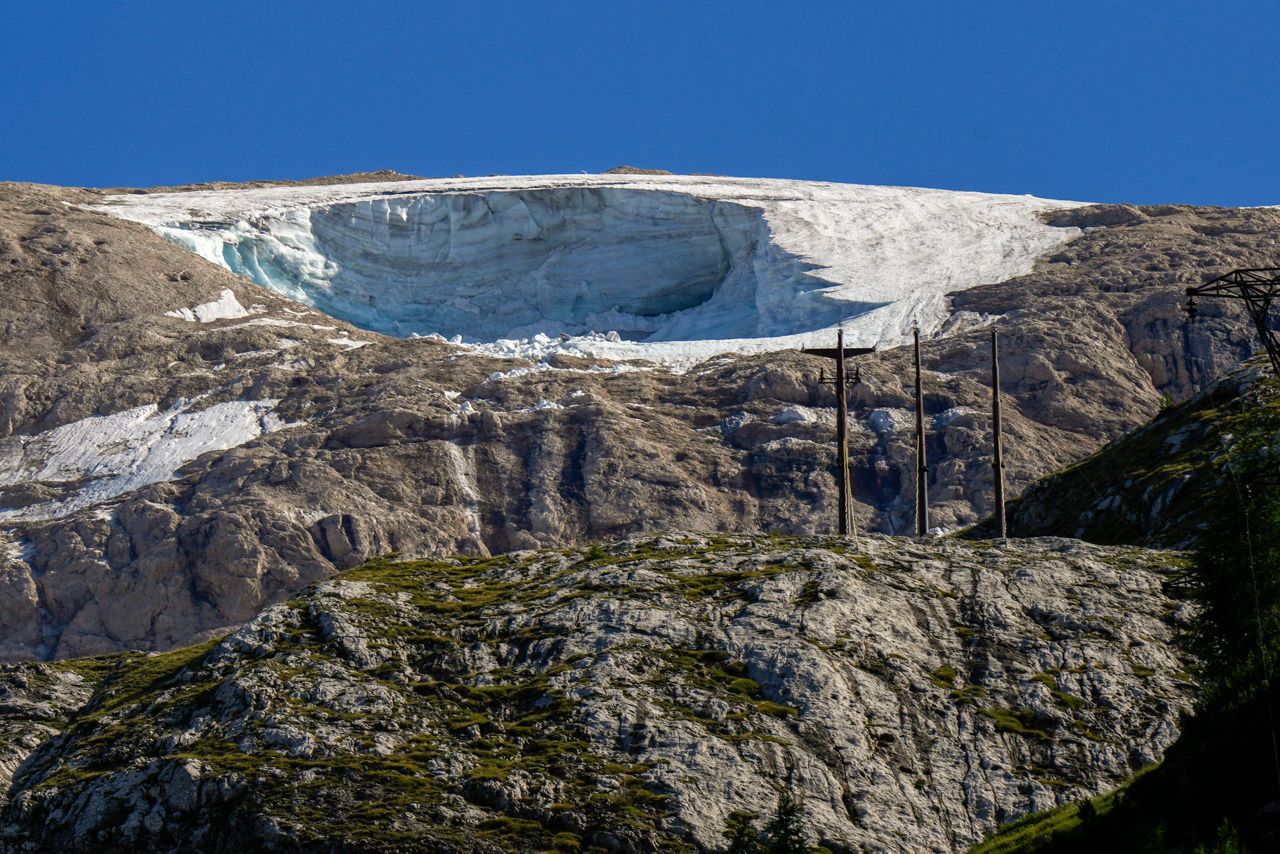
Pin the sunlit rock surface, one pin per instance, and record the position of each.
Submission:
(913, 695)
(217, 446)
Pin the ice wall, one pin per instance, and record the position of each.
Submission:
(648, 265)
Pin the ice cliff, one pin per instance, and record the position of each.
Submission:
(663, 267)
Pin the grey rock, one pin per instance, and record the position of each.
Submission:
(413, 447)
(914, 694)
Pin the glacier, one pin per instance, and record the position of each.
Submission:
(656, 267)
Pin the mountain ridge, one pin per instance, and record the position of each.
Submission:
(423, 447)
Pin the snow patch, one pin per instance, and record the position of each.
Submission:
(883, 420)
(105, 456)
(281, 322)
(950, 416)
(347, 342)
(10, 550)
(804, 415)
(225, 307)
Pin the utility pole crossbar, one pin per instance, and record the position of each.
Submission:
(1257, 287)
(839, 353)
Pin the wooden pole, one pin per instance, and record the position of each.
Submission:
(842, 439)
(997, 457)
(846, 523)
(922, 465)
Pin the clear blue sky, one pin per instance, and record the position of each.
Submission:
(1152, 101)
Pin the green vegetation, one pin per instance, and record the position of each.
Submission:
(1068, 701)
(1176, 460)
(729, 583)
(784, 833)
(1018, 722)
(944, 676)
(432, 730)
(470, 730)
(1032, 832)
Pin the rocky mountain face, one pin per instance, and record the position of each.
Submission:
(1159, 485)
(912, 695)
(180, 448)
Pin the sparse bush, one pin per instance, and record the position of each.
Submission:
(784, 833)
(742, 834)
(1228, 841)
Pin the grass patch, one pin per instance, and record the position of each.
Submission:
(944, 676)
(1037, 830)
(1062, 698)
(1019, 722)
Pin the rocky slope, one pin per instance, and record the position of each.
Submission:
(628, 697)
(179, 448)
(1159, 485)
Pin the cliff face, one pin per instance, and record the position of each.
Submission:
(180, 448)
(912, 695)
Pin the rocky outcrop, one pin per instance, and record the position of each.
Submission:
(1161, 484)
(36, 701)
(912, 695)
(366, 445)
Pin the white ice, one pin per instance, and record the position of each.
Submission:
(667, 268)
(106, 456)
(225, 307)
(346, 342)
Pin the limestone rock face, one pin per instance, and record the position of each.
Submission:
(244, 446)
(912, 694)
(35, 702)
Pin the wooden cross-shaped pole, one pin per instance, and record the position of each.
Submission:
(922, 463)
(840, 353)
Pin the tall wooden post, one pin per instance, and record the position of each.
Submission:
(842, 440)
(845, 523)
(922, 464)
(997, 457)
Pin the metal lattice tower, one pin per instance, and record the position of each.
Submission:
(1257, 288)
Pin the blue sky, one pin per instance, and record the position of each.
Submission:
(1160, 101)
